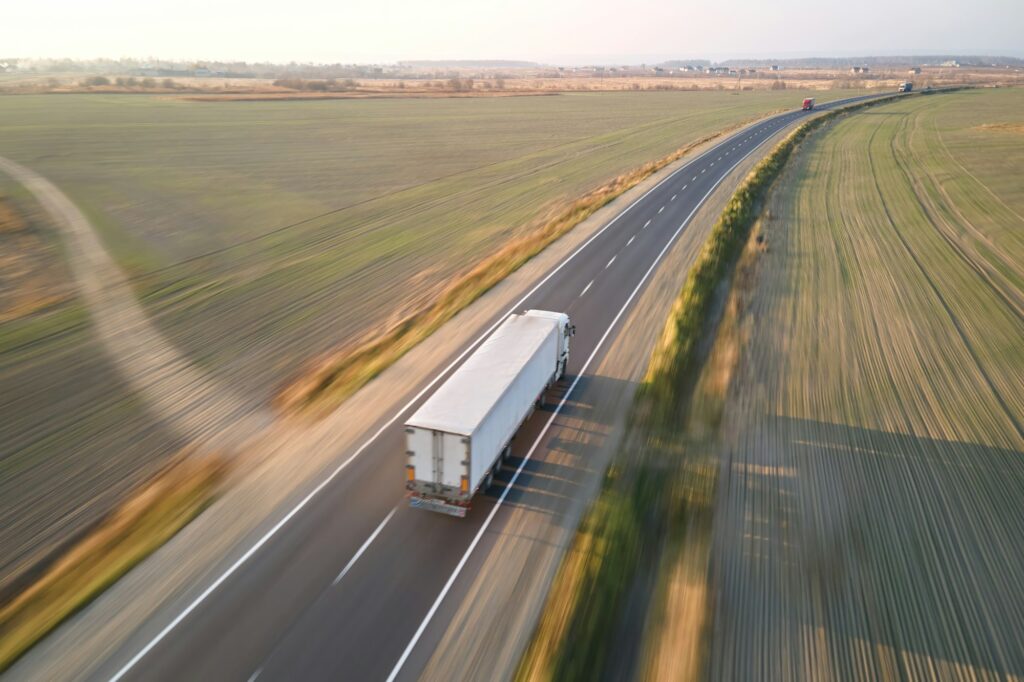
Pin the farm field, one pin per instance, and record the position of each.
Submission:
(262, 227)
(867, 522)
(257, 234)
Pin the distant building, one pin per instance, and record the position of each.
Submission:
(775, 67)
(859, 69)
(953, 63)
(914, 71)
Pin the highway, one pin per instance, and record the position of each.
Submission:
(354, 584)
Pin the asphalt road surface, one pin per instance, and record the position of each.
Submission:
(357, 585)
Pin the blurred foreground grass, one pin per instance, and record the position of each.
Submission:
(134, 530)
(868, 522)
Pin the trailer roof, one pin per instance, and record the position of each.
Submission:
(469, 394)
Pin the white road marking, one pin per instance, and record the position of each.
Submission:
(252, 678)
(611, 261)
(712, 164)
(703, 170)
(673, 198)
(645, 225)
(684, 188)
(631, 240)
(694, 178)
(586, 288)
(238, 563)
(547, 425)
(355, 557)
(661, 209)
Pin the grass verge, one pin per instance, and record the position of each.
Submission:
(129, 534)
(333, 378)
(658, 493)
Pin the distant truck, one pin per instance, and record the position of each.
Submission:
(457, 439)
(906, 86)
(808, 104)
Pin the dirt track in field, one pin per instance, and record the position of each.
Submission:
(869, 522)
(176, 391)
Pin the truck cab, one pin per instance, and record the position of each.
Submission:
(808, 104)
(565, 332)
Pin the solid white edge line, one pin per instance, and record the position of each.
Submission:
(504, 493)
(323, 484)
(355, 557)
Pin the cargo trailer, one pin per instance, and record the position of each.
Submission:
(458, 438)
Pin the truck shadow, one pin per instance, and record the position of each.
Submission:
(867, 554)
(571, 454)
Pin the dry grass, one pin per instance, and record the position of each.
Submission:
(11, 220)
(1003, 128)
(330, 380)
(138, 527)
(29, 280)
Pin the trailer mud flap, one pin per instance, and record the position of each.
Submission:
(439, 506)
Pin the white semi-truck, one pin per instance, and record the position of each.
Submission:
(457, 439)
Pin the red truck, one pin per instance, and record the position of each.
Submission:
(808, 104)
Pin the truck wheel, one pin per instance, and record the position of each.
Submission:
(488, 481)
(542, 400)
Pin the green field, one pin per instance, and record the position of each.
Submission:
(868, 524)
(259, 233)
(277, 229)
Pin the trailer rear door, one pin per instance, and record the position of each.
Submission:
(437, 456)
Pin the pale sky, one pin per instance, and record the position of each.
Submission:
(552, 31)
